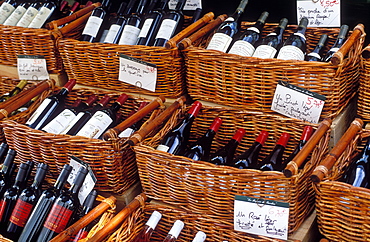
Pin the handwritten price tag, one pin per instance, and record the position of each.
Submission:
(261, 217)
(297, 102)
(189, 5)
(320, 13)
(32, 67)
(137, 72)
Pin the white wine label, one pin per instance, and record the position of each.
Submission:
(32, 67)
(112, 33)
(60, 122)
(38, 111)
(72, 123)
(126, 133)
(5, 10)
(40, 18)
(219, 42)
(320, 13)
(290, 52)
(166, 29)
(163, 148)
(242, 48)
(27, 17)
(145, 29)
(16, 15)
(96, 125)
(92, 26)
(129, 35)
(265, 51)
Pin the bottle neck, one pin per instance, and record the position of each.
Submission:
(180, 5)
(140, 8)
(162, 5)
(62, 178)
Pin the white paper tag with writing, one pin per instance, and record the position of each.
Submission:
(297, 102)
(189, 5)
(90, 179)
(32, 67)
(320, 13)
(137, 72)
(261, 217)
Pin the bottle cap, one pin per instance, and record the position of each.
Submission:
(283, 23)
(283, 140)
(154, 219)
(200, 237)
(75, 6)
(80, 177)
(63, 4)
(88, 3)
(343, 31)
(91, 99)
(63, 176)
(176, 228)
(105, 100)
(142, 104)
(322, 40)
(239, 134)
(122, 99)
(303, 22)
(90, 199)
(307, 132)
(216, 124)
(70, 84)
(194, 110)
(262, 137)
(22, 83)
(41, 170)
(242, 5)
(263, 17)
(76, 103)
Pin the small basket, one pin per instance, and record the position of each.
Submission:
(249, 82)
(363, 107)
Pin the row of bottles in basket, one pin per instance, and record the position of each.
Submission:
(30, 213)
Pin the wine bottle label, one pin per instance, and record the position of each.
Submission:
(38, 111)
(21, 212)
(129, 35)
(13, 19)
(5, 10)
(2, 208)
(164, 148)
(92, 26)
(230, 19)
(265, 51)
(314, 55)
(112, 33)
(60, 122)
(27, 17)
(58, 218)
(290, 52)
(167, 29)
(242, 48)
(219, 42)
(126, 133)
(72, 123)
(145, 29)
(95, 127)
(40, 18)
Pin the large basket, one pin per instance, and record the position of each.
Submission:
(363, 107)
(204, 188)
(250, 82)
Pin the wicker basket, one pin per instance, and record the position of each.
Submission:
(112, 161)
(363, 108)
(179, 181)
(250, 82)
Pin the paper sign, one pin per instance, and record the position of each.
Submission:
(90, 179)
(189, 5)
(320, 13)
(137, 72)
(297, 102)
(32, 67)
(261, 217)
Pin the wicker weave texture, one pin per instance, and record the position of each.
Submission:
(363, 107)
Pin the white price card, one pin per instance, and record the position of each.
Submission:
(137, 72)
(297, 102)
(189, 5)
(90, 179)
(261, 217)
(320, 13)
(32, 67)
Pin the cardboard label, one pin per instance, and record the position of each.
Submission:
(32, 67)
(189, 5)
(320, 13)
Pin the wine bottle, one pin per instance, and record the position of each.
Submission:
(50, 107)
(200, 237)
(177, 139)
(175, 231)
(6, 168)
(196, 15)
(44, 14)
(63, 209)
(315, 55)
(337, 44)
(136, 126)
(294, 47)
(25, 106)
(42, 208)
(115, 30)
(23, 184)
(102, 119)
(30, 14)
(245, 45)
(17, 14)
(170, 24)
(272, 42)
(249, 158)
(17, 89)
(225, 155)
(221, 40)
(201, 149)
(73, 8)
(6, 8)
(273, 161)
(25, 202)
(62, 120)
(149, 227)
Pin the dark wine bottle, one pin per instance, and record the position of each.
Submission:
(201, 149)
(115, 29)
(47, 10)
(149, 227)
(245, 45)
(25, 106)
(136, 126)
(294, 47)
(315, 55)
(17, 89)
(6, 168)
(221, 40)
(337, 44)
(50, 107)
(63, 209)
(196, 15)
(272, 42)
(4, 148)
(6, 8)
(30, 14)
(17, 14)
(175, 231)
(177, 139)
(225, 155)
(274, 161)
(42, 208)
(30, 164)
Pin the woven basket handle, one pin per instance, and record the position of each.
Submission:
(85, 220)
(171, 43)
(338, 56)
(325, 165)
(292, 167)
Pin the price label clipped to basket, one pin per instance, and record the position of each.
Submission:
(189, 5)
(297, 102)
(137, 72)
(320, 13)
(261, 217)
(90, 179)
(32, 67)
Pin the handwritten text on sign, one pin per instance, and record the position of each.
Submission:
(297, 102)
(137, 72)
(32, 67)
(261, 217)
(320, 13)
(189, 5)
